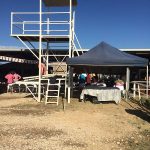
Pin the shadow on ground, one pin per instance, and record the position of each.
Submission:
(139, 113)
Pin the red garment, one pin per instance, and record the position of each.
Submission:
(88, 79)
(43, 69)
(10, 78)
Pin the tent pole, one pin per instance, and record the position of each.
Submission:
(127, 82)
(68, 94)
(147, 80)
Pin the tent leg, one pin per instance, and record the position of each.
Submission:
(147, 84)
(69, 84)
(127, 82)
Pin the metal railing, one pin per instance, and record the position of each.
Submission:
(28, 23)
(140, 89)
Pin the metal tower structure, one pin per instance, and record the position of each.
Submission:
(49, 29)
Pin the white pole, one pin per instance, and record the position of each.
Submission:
(11, 23)
(23, 27)
(40, 50)
(127, 81)
(73, 25)
(147, 80)
(134, 89)
(139, 91)
(47, 58)
(74, 47)
(70, 29)
(47, 25)
(70, 47)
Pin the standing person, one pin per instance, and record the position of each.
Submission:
(88, 79)
(93, 79)
(75, 79)
(43, 69)
(16, 77)
(10, 80)
(82, 80)
(10, 77)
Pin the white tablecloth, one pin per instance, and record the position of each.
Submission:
(102, 94)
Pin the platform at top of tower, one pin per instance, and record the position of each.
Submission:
(52, 3)
(45, 38)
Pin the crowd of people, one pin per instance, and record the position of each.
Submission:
(94, 79)
(85, 79)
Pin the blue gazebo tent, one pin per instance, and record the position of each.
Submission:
(104, 55)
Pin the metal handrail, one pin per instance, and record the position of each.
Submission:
(43, 22)
(137, 88)
(25, 24)
(37, 13)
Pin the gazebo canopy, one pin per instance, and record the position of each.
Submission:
(106, 55)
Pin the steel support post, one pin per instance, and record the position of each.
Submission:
(40, 50)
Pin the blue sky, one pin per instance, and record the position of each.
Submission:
(121, 23)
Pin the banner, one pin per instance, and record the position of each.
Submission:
(18, 60)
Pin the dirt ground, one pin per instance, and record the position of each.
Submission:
(28, 125)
